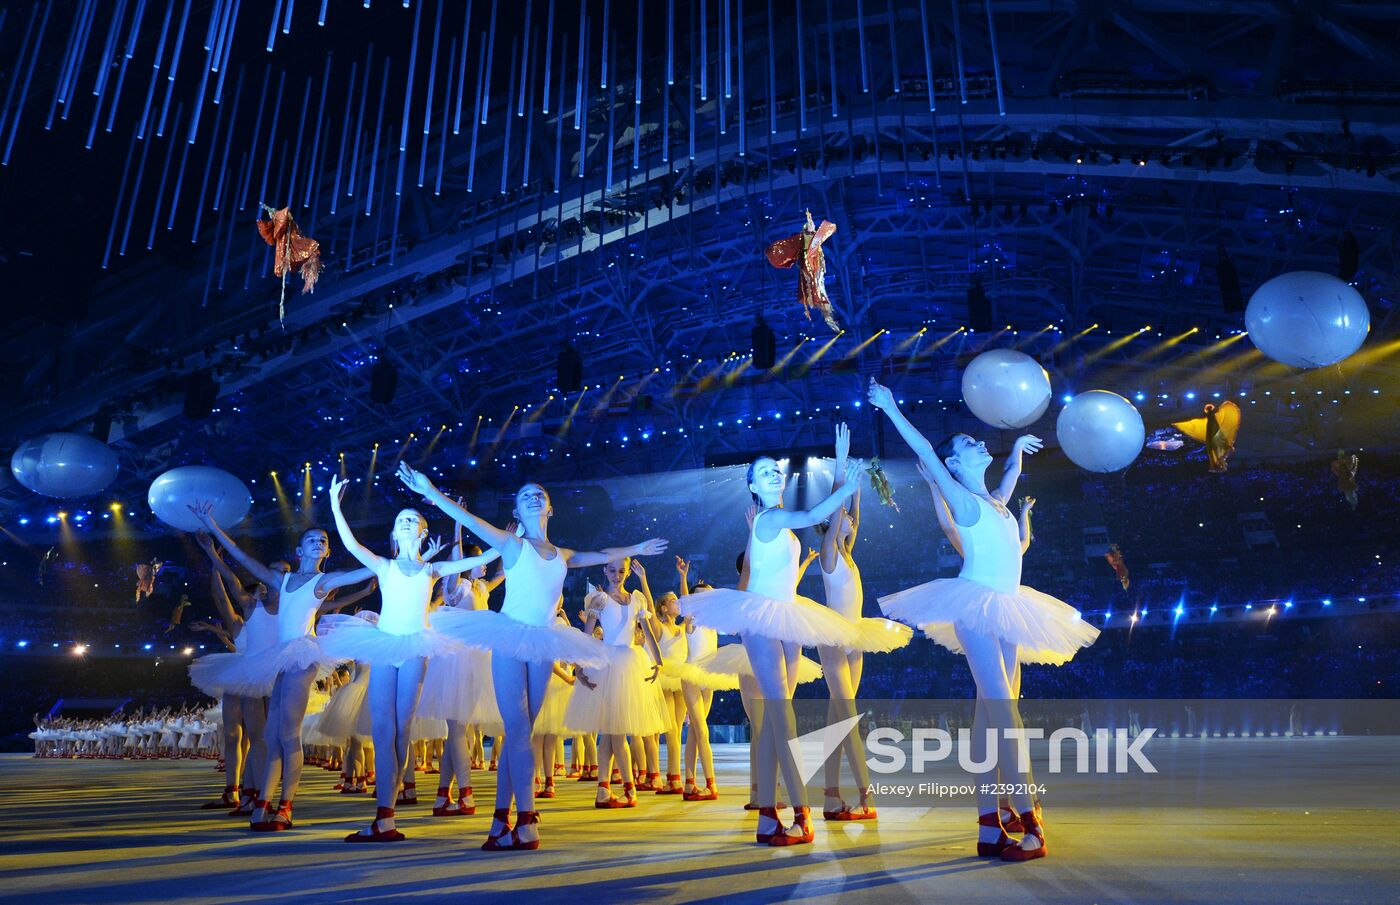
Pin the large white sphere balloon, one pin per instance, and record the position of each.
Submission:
(1006, 388)
(1307, 319)
(173, 493)
(64, 465)
(1100, 431)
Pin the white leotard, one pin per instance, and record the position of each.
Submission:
(620, 619)
(674, 646)
(992, 550)
(405, 599)
(702, 642)
(296, 610)
(533, 586)
(843, 588)
(259, 631)
(773, 564)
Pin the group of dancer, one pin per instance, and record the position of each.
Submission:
(626, 682)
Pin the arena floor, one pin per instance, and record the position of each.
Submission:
(90, 831)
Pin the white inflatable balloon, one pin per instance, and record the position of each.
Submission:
(1006, 388)
(64, 465)
(173, 493)
(1100, 431)
(1307, 319)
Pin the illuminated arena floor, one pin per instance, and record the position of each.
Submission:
(87, 831)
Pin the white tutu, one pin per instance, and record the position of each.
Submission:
(507, 637)
(550, 720)
(1043, 628)
(801, 620)
(674, 672)
(341, 718)
(345, 638)
(733, 660)
(879, 636)
(253, 675)
(452, 683)
(624, 702)
(208, 673)
(426, 728)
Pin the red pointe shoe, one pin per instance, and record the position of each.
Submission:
(673, 785)
(449, 807)
(229, 800)
(802, 820)
(492, 767)
(1010, 820)
(493, 842)
(514, 841)
(767, 838)
(1034, 831)
(466, 801)
(611, 802)
(377, 833)
(548, 790)
(408, 794)
(246, 804)
(992, 849)
(709, 793)
(282, 820)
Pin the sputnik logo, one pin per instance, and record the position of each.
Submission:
(812, 750)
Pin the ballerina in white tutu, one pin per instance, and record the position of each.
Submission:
(286, 672)
(254, 630)
(453, 686)
(396, 649)
(698, 687)
(986, 614)
(775, 623)
(842, 666)
(524, 640)
(620, 698)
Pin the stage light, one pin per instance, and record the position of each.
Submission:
(1066, 398)
(23, 520)
(145, 647)
(79, 650)
(1213, 608)
(188, 651)
(1191, 395)
(23, 644)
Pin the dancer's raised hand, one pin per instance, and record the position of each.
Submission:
(880, 396)
(337, 490)
(843, 442)
(1027, 444)
(414, 480)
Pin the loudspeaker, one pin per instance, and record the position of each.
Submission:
(765, 346)
(570, 366)
(979, 309)
(1229, 280)
(383, 382)
(200, 393)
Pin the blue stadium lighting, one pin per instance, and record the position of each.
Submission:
(1249, 606)
(24, 520)
(1361, 600)
(1191, 395)
(777, 416)
(1066, 398)
(1179, 611)
(1213, 609)
(646, 435)
(1140, 397)
(857, 403)
(1327, 601)
(145, 647)
(79, 517)
(53, 519)
(22, 644)
(1288, 604)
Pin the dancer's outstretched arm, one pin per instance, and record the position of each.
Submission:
(503, 541)
(365, 555)
(457, 566)
(1027, 504)
(960, 500)
(577, 560)
(1025, 445)
(940, 508)
(204, 512)
(774, 520)
(829, 537)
